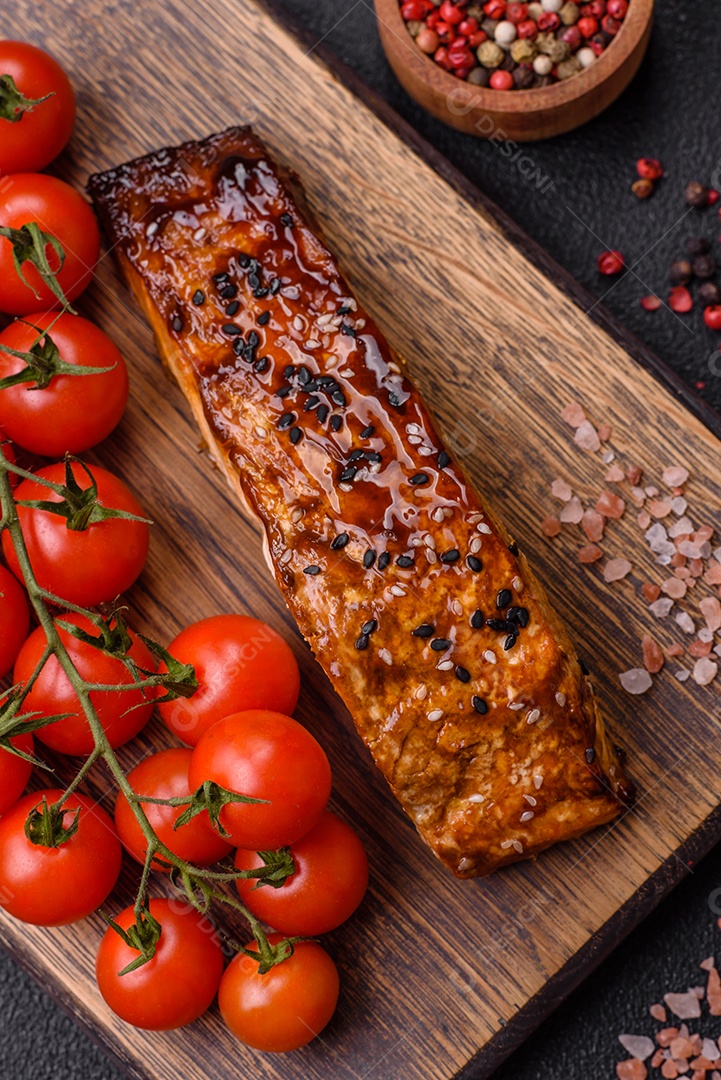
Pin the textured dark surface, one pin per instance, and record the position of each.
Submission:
(670, 111)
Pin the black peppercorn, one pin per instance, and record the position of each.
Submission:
(680, 272)
(480, 76)
(523, 76)
(704, 266)
(642, 188)
(696, 194)
(698, 245)
(507, 63)
(709, 293)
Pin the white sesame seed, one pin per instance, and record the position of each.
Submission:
(312, 343)
(285, 557)
(426, 451)
(477, 798)
(431, 556)
(385, 656)
(292, 292)
(199, 233)
(297, 322)
(475, 545)
(526, 816)
(445, 665)
(517, 584)
(345, 487)
(447, 512)
(151, 229)
(473, 519)
(537, 781)
(416, 541)
(505, 844)
(347, 373)
(397, 590)
(515, 705)
(456, 607)
(483, 528)
(414, 440)
(297, 515)
(438, 514)
(531, 800)
(421, 692)
(533, 716)
(560, 699)
(324, 320)
(261, 432)
(414, 429)
(430, 541)
(490, 656)
(395, 367)
(435, 714)
(518, 846)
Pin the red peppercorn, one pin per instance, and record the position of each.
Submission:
(610, 262)
(461, 58)
(427, 40)
(501, 80)
(572, 36)
(451, 13)
(617, 8)
(463, 72)
(610, 24)
(477, 39)
(650, 303)
(597, 46)
(588, 26)
(680, 300)
(495, 9)
(548, 21)
(468, 27)
(527, 29)
(516, 13)
(712, 317)
(413, 10)
(596, 9)
(441, 57)
(445, 31)
(649, 168)
(712, 197)
(433, 19)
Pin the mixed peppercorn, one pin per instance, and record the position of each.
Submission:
(513, 46)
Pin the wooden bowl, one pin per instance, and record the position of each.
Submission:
(519, 115)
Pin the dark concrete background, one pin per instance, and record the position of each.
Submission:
(671, 111)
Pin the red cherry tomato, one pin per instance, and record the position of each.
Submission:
(89, 566)
(286, 1007)
(53, 886)
(33, 141)
(52, 693)
(329, 883)
(61, 212)
(72, 413)
(165, 776)
(14, 619)
(264, 755)
(179, 983)
(240, 663)
(14, 772)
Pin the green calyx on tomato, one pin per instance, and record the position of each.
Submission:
(30, 245)
(178, 680)
(211, 797)
(277, 867)
(271, 953)
(112, 637)
(13, 104)
(45, 825)
(13, 724)
(79, 506)
(142, 936)
(42, 363)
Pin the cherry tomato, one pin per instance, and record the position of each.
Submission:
(33, 141)
(329, 883)
(179, 983)
(14, 619)
(165, 776)
(121, 714)
(72, 413)
(61, 212)
(14, 772)
(53, 886)
(285, 1008)
(89, 566)
(264, 755)
(240, 664)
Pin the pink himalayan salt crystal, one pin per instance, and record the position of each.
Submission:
(592, 524)
(686, 623)
(659, 1013)
(661, 607)
(644, 520)
(634, 474)
(713, 574)
(633, 1069)
(659, 508)
(604, 432)
(713, 992)
(616, 569)
(708, 963)
(561, 489)
(638, 1046)
(711, 611)
(573, 414)
(587, 437)
(704, 671)
(685, 1006)
(572, 512)
(636, 681)
(674, 587)
(615, 475)
(651, 491)
(676, 476)
(653, 657)
(676, 649)
(650, 592)
(610, 505)
(550, 526)
(591, 553)
(698, 649)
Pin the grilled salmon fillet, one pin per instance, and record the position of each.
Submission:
(460, 678)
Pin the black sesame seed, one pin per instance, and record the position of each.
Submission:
(220, 278)
(311, 403)
(373, 455)
(311, 387)
(440, 644)
(584, 669)
(229, 291)
(367, 432)
(443, 459)
(424, 630)
(501, 626)
(370, 626)
(513, 548)
(261, 292)
(339, 398)
(504, 598)
(383, 560)
(286, 220)
(404, 561)
(177, 324)
(361, 642)
(262, 364)
(311, 570)
(249, 353)
(462, 674)
(348, 475)
(339, 542)
(231, 329)
(232, 309)
(450, 556)
(243, 261)
(283, 391)
(286, 420)
(325, 380)
(263, 319)
(254, 266)
(590, 755)
(198, 297)
(289, 371)
(253, 280)
(303, 375)
(344, 310)
(518, 616)
(477, 620)
(355, 455)
(474, 564)
(336, 422)
(254, 339)
(395, 400)
(479, 705)
(322, 413)
(238, 346)
(347, 330)
(419, 478)
(509, 642)
(295, 434)
(274, 287)
(369, 558)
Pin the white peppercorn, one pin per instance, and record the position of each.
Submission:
(569, 13)
(585, 56)
(535, 11)
(505, 33)
(543, 65)
(489, 54)
(553, 6)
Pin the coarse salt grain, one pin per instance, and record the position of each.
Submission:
(711, 611)
(650, 592)
(550, 526)
(653, 657)
(704, 671)
(592, 524)
(674, 587)
(587, 437)
(685, 621)
(684, 1006)
(636, 681)
(604, 432)
(573, 414)
(590, 553)
(638, 1046)
(616, 569)
(661, 608)
(633, 1069)
(610, 505)
(659, 508)
(658, 1013)
(561, 489)
(682, 675)
(572, 512)
(614, 475)
(676, 476)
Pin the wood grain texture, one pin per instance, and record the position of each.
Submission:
(520, 115)
(438, 976)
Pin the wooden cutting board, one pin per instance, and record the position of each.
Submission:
(440, 978)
